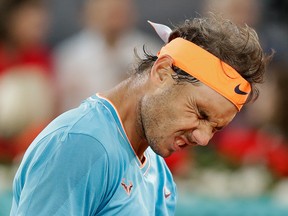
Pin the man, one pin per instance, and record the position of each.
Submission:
(105, 157)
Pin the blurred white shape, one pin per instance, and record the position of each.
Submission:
(249, 181)
(26, 97)
(280, 192)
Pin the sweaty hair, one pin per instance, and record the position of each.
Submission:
(237, 46)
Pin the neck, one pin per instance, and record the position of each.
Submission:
(126, 97)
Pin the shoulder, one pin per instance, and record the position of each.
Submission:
(89, 127)
(81, 127)
(85, 136)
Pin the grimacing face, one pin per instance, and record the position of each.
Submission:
(176, 116)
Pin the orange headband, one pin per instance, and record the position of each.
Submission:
(208, 69)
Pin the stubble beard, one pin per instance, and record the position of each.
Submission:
(146, 122)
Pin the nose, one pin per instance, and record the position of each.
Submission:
(202, 136)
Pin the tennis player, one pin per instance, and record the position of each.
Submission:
(106, 156)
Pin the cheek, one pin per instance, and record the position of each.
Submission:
(163, 116)
(156, 115)
(189, 122)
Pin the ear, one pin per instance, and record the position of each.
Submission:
(162, 69)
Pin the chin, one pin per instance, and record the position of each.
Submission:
(165, 153)
(160, 148)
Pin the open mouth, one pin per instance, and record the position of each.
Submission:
(182, 146)
(182, 142)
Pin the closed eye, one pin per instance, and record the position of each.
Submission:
(203, 115)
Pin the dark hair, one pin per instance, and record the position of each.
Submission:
(7, 8)
(281, 114)
(237, 46)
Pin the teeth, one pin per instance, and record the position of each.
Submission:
(180, 142)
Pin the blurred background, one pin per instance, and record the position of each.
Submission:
(54, 54)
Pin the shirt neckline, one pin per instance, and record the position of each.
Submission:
(112, 109)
